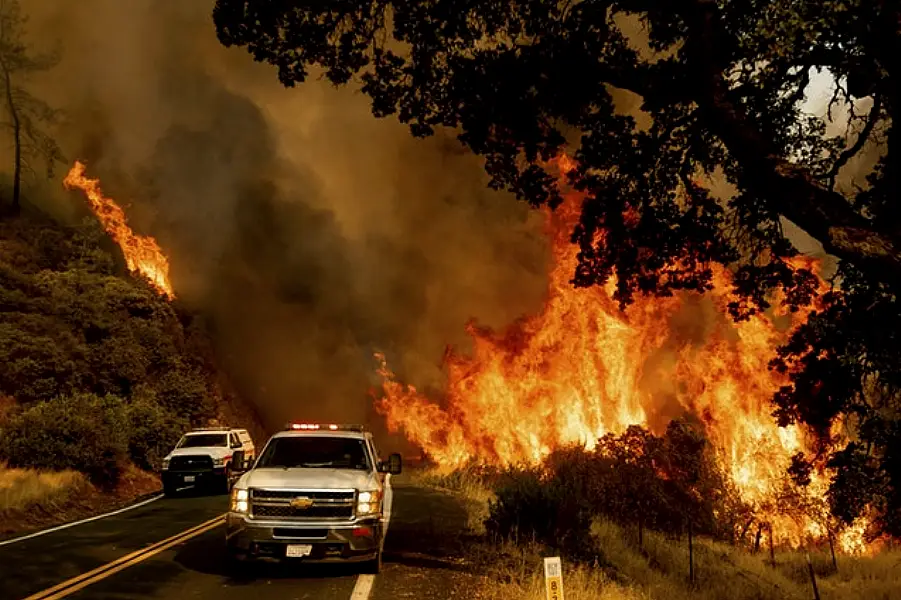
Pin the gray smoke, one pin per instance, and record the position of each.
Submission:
(311, 233)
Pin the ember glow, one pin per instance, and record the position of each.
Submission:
(582, 368)
(142, 253)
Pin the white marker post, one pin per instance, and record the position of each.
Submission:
(553, 578)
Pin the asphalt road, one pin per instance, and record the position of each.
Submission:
(417, 561)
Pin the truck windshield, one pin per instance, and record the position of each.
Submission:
(203, 440)
(315, 452)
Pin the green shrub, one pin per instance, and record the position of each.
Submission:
(152, 431)
(184, 393)
(533, 505)
(81, 431)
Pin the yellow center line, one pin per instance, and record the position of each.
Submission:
(85, 579)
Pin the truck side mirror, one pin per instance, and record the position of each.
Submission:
(238, 461)
(395, 464)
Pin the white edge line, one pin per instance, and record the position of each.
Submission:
(88, 520)
(363, 587)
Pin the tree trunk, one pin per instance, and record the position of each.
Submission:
(832, 550)
(17, 138)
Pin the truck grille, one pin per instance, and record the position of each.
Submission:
(190, 463)
(331, 504)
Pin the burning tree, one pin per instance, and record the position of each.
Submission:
(27, 114)
(720, 84)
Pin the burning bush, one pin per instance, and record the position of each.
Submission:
(667, 483)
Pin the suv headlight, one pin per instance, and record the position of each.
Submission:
(240, 501)
(218, 462)
(369, 503)
(166, 463)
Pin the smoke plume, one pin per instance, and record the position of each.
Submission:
(309, 232)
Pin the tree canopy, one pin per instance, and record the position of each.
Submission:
(720, 85)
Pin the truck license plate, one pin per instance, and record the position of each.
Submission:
(298, 550)
(189, 478)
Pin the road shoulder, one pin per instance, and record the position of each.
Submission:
(135, 487)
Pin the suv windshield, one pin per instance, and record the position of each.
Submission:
(204, 440)
(315, 452)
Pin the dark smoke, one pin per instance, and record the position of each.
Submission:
(308, 232)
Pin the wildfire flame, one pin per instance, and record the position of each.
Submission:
(142, 253)
(582, 368)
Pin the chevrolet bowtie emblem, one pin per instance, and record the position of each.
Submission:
(301, 503)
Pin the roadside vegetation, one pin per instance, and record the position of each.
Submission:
(99, 374)
(621, 529)
(22, 488)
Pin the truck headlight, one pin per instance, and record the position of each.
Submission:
(166, 463)
(240, 502)
(218, 462)
(369, 502)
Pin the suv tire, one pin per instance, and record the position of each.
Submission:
(374, 566)
(169, 490)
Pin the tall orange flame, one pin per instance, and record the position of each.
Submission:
(142, 253)
(582, 368)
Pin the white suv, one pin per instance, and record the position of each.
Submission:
(319, 493)
(204, 456)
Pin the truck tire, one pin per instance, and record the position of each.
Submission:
(374, 566)
(234, 562)
(169, 489)
(226, 485)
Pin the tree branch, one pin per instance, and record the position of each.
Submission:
(858, 145)
(790, 189)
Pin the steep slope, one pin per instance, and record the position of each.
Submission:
(102, 369)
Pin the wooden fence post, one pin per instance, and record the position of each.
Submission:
(813, 578)
(691, 555)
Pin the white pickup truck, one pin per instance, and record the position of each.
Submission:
(204, 457)
(317, 493)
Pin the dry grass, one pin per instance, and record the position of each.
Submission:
(468, 484)
(24, 488)
(659, 570)
(724, 571)
(579, 583)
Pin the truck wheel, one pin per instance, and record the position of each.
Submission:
(235, 563)
(227, 483)
(374, 566)
(169, 489)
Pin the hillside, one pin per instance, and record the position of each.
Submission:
(99, 373)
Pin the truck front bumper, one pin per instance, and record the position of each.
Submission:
(330, 542)
(203, 478)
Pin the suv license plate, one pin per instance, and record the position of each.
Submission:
(298, 550)
(189, 478)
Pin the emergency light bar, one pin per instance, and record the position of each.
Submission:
(210, 429)
(322, 427)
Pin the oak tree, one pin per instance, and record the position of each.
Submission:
(28, 116)
(720, 85)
